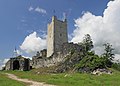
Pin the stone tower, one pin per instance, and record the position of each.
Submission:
(57, 35)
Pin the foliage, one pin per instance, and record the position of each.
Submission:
(87, 43)
(116, 66)
(108, 56)
(108, 51)
(72, 51)
(91, 62)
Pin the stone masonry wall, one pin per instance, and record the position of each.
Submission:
(57, 57)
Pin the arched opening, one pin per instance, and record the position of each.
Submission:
(16, 65)
(26, 65)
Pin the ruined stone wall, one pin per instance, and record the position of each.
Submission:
(57, 57)
(18, 63)
(46, 62)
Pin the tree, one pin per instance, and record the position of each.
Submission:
(87, 43)
(108, 51)
(108, 55)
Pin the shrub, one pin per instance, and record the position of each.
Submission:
(91, 62)
(116, 66)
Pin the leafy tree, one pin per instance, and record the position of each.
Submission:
(108, 51)
(108, 55)
(86, 44)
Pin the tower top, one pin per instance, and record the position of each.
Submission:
(55, 18)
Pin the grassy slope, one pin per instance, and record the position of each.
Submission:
(73, 79)
(4, 81)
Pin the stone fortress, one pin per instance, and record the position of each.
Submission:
(57, 50)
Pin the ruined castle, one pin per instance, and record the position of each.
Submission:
(57, 50)
(56, 37)
(58, 47)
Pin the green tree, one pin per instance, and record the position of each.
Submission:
(108, 51)
(108, 54)
(87, 43)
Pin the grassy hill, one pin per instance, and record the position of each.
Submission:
(66, 79)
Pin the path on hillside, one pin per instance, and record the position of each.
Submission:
(32, 83)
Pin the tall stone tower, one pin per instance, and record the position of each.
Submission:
(57, 35)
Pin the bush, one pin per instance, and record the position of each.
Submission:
(91, 62)
(116, 66)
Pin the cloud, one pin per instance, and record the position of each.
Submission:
(31, 8)
(117, 58)
(101, 28)
(3, 62)
(40, 10)
(33, 43)
(19, 52)
(37, 9)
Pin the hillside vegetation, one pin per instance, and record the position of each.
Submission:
(70, 79)
(87, 60)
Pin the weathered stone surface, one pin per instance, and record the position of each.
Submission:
(18, 63)
(69, 63)
(65, 59)
(101, 71)
(66, 50)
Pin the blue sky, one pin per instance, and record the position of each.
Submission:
(17, 20)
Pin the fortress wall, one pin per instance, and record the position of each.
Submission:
(57, 57)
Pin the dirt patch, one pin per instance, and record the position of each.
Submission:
(32, 83)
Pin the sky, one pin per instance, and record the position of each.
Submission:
(23, 23)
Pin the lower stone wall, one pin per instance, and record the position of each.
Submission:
(56, 58)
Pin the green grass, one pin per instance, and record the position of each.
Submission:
(75, 79)
(5, 81)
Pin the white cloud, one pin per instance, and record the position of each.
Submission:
(117, 58)
(40, 10)
(19, 52)
(31, 8)
(3, 62)
(33, 43)
(101, 28)
(37, 9)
